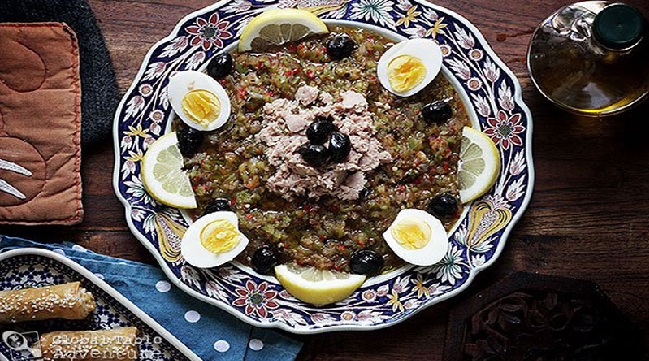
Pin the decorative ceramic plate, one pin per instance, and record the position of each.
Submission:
(31, 267)
(492, 96)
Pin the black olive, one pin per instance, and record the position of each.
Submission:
(314, 154)
(219, 204)
(443, 206)
(264, 260)
(340, 46)
(319, 131)
(220, 66)
(339, 146)
(189, 140)
(437, 112)
(366, 262)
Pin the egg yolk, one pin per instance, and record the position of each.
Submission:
(220, 236)
(405, 72)
(201, 106)
(411, 233)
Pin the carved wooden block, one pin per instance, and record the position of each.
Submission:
(534, 317)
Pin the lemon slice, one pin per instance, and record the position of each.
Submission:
(279, 26)
(479, 164)
(317, 287)
(163, 176)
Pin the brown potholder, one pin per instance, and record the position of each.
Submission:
(40, 116)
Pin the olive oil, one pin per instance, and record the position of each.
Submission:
(592, 58)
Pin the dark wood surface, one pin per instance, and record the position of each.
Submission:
(588, 217)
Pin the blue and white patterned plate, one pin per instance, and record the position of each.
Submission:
(492, 96)
(31, 267)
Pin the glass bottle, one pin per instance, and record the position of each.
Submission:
(592, 58)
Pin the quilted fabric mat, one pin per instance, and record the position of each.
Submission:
(100, 94)
(40, 119)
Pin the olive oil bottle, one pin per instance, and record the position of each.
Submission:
(592, 58)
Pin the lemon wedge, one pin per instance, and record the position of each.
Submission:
(162, 174)
(479, 164)
(317, 287)
(278, 26)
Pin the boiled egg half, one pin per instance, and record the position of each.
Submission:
(417, 237)
(199, 100)
(213, 240)
(410, 65)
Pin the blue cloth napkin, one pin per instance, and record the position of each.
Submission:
(211, 333)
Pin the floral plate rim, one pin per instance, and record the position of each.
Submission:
(92, 278)
(473, 271)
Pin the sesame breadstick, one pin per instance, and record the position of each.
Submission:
(69, 301)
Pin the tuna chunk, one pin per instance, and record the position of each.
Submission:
(353, 101)
(352, 186)
(326, 98)
(306, 95)
(283, 131)
(296, 123)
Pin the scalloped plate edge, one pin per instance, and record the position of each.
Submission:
(518, 97)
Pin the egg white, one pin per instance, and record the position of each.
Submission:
(197, 255)
(427, 50)
(432, 252)
(183, 82)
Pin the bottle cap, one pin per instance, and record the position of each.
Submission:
(619, 26)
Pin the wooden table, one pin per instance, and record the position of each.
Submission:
(588, 217)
